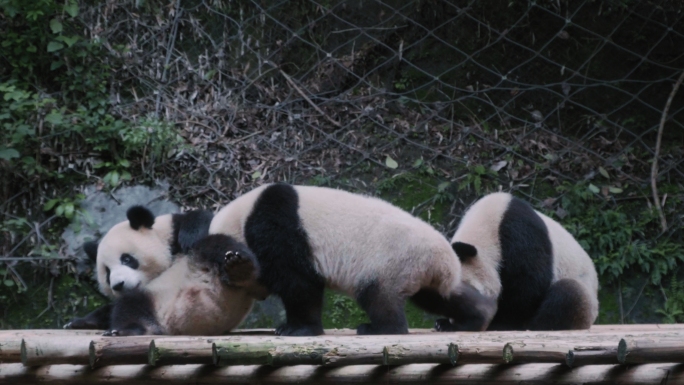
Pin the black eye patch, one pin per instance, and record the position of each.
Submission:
(108, 271)
(130, 261)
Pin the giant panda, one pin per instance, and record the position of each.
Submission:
(306, 238)
(538, 273)
(135, 251)
(207, 292)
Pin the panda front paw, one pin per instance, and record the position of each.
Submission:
(238, 267)
(67, 325)
(111, 333)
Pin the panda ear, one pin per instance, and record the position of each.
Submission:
(464, 251)
(90, 249)
(140, 216)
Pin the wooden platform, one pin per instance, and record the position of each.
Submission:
(624, 354)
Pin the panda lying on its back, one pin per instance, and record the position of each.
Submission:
(540, 275)
(209, 292)
(135, 251)
(307, 238)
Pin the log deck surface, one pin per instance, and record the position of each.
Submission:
(605, 354)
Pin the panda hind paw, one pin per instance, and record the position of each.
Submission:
(444, 325)
(111, 333)
(289, 330)
(238, 267)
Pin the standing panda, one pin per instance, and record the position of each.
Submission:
(208, 292)
(307, 238)
(538, 273)
(135, 251)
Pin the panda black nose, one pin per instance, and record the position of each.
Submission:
(118, 286)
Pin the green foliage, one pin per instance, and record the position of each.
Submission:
(64, 207)
(419, 190)
(342, 311)
(475, 177)
(620, 237)
(673, 308)
(55, 107)
(58, 93)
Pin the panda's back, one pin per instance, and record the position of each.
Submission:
(355, 237)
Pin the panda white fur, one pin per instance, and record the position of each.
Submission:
(535, 269)
(206, 292)
(134, 252)
(307, 238)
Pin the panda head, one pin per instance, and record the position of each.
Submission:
(134, 252)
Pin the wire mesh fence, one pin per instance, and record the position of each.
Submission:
(352, 92)
(429, 103)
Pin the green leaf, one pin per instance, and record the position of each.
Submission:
(124, 163)
(69, 210)
(594, 189)
(55, 26)
(59, 210)
(603, 172)
(391, 163)
(418, 162)
(443, 186)
(71, 8)
(8, 282)
(615, 190)
(114, 178)
(50, 204)
(210, 74)
(54, 117)
(68, 40)
(56, 64)
(256, 174)
(479, 169)
(54, 46)
(8, 153)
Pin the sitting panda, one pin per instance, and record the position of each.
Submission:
(535, 269)
(306, 238)
(135, 251)
(207, 292)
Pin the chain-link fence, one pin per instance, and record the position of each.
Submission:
(351, 92)
(429, 103)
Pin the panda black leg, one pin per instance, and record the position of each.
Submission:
(466, 309)
(385, 310)
(97, 319)
(303, 306)
(134, 314)
(565, 307)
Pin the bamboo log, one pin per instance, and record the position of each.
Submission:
(38, 351)
(418, 374)
(580, 356)
(417, 353)
(641, 351)
(10, 340)
(525, 352)
(106, 351)
(340, 351)
(180, 351)
(286, 354)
